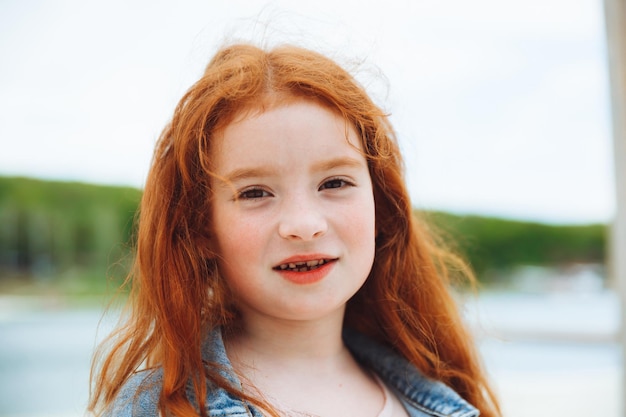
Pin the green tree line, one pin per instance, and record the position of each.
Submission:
(494, 244)
(51, 230)
(62, 230)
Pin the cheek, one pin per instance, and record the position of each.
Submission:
(242, 243)
(358, 226)
(369, 240)
(243, 253)
(239, 239)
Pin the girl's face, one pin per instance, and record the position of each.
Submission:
(293, 213)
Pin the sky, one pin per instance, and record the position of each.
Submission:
(501, 107)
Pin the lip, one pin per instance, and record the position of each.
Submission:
(310, 276)
(305, 258)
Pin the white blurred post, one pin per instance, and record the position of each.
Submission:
(615, 15)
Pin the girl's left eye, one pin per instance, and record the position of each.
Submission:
(335, 183)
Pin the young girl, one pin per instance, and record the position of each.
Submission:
(279, 268)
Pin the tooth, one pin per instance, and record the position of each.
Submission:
(303, 269)
(292, 266)
(312, 263)
(284, 266)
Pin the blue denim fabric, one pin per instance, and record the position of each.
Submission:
(420, 396)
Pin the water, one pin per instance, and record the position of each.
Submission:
(552, 354)
(44, 362)
(548, 355)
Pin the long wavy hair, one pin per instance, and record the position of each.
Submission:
(177, 293)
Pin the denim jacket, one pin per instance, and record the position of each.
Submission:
(421, 397)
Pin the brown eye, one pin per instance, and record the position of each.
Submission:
(335, 183)
(253, 194)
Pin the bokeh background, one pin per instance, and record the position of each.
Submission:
(502, 109)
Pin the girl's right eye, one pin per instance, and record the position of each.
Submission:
(252, 194)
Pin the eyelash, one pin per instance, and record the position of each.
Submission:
(256, 193)
(252, 194)
(337, 182)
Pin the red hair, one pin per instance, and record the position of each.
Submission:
(177, 293)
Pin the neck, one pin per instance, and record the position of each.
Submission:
(287, 342)
(302, 367)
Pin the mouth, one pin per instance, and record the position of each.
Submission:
(303, 266)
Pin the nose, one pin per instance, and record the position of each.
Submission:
(301, 219)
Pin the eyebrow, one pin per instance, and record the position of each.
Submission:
(341, 162)
(260, 172)
(246, 173)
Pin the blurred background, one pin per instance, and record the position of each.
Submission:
(502, 109)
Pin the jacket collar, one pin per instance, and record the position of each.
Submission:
(427, 395)
(220, 400)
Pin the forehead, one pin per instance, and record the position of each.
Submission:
(298, 129)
